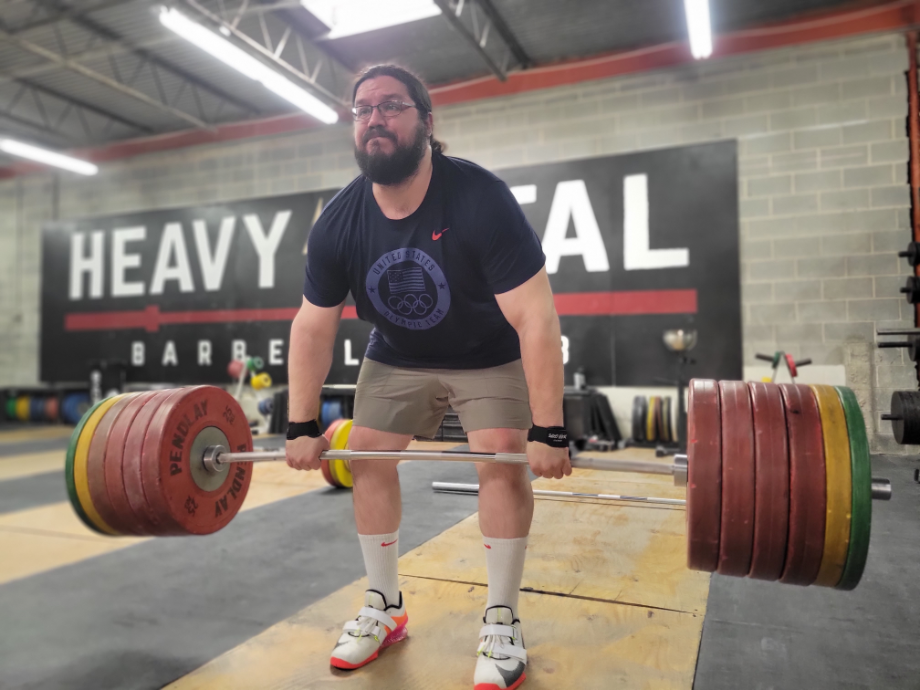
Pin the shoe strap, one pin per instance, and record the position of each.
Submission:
(367, 615)
(492, 638)
(496, 629)
(378, 615)
(500, 649)
(363, 629)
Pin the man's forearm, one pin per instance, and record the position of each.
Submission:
(309, 360)
(541, 355)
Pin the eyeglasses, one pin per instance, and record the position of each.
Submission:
(389, 109)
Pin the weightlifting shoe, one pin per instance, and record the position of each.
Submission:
(376, 627)
(502, 657)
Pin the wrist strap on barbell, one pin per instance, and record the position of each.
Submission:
(553, 436)
(298, 429)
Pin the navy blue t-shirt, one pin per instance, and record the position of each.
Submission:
(428, 282)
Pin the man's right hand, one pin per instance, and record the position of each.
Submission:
(303, 453)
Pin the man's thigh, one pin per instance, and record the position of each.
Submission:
(493, 398)
(399, 400)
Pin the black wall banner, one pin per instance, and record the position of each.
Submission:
(635, 244)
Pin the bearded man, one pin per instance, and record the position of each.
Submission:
(440, 259)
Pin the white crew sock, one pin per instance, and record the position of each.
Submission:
(505, 565)
(381, 553)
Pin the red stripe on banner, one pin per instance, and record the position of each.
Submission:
(227, 316)
(633, 302)
(568, 304)
(151, 318)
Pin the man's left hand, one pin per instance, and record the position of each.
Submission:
(548, 462)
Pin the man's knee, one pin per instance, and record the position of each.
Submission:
(502, 473)
(364, 438)
(363, 468)
(498, 441)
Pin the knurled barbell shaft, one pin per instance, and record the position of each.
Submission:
(215, 456)
(471, 489)
(578, 462)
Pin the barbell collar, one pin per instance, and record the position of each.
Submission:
(881, 489)
(680, 470)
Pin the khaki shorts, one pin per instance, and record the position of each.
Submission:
(413, 401)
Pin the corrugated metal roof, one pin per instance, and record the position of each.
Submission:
(552, 30)
(429, 47)
(548, 31)
(730, 15)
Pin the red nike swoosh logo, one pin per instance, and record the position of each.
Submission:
(383, 543)
(487, 546)
(437, 235)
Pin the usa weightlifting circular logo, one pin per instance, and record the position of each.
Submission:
(409, 289)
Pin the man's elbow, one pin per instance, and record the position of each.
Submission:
(316, 322)
(538, 323)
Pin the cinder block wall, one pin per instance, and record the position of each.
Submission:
(824, 200)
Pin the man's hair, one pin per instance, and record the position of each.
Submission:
(416, 88)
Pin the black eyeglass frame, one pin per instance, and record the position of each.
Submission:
(370, 114)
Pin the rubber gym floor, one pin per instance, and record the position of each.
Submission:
(607, 601)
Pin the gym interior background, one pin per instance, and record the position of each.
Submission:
(757, 200)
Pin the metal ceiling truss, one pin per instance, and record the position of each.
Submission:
(109, 50)
(40, 14)
(128, 67)
(65, 119)
(478, 22)
(253, 27)
(117, 80)
(159, 63)
(134, 64)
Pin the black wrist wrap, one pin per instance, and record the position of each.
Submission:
(298, 429)
(553, 436)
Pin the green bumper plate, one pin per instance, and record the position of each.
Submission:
(68, 471)
(861, 522)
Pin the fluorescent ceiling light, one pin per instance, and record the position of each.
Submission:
(58, 160)
(241, 61)
(350, 17)
(699, 28)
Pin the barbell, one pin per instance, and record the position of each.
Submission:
(778, 476)
(473, 490)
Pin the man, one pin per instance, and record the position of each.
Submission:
(440, 258)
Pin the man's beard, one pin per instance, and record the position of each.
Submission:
(394, 168)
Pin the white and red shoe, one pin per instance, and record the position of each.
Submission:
(376, 627)
(502, 657)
